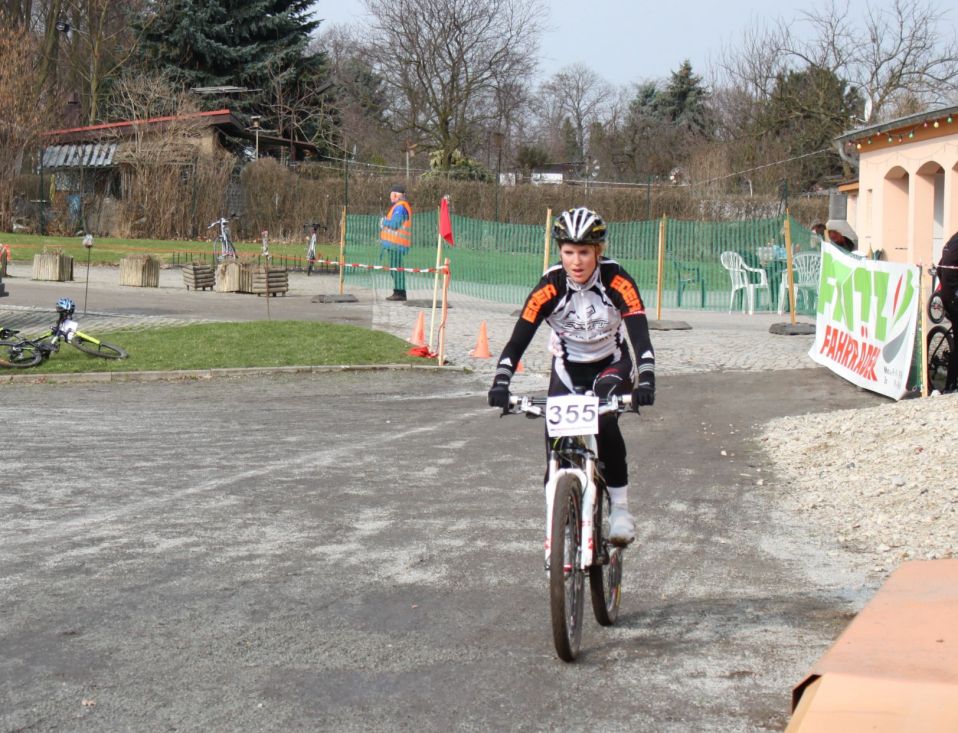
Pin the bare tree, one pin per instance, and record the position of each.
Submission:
(23, 111)
(90, 42)
(446, 60)
(897, 56)
(580, 96)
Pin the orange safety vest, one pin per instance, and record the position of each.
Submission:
(401, 237)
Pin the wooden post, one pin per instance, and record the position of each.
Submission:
(446, 277)
(342, 253)
(435, 284)
(548, 240)
(661, 269)
(790, 277)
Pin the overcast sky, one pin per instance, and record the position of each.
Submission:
(634, 40)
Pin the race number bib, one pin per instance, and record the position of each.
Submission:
(572, 415)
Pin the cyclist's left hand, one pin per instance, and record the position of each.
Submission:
(644, 394)
(499, 395)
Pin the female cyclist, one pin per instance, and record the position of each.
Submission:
(592, 304)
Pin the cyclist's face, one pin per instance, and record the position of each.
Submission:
(579, 260)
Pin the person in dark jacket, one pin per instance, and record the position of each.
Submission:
(948, 275)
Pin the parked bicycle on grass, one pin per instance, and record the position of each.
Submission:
(19, 352)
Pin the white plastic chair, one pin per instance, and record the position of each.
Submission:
(741, 276)
(806, 268)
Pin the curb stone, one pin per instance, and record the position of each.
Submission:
(203, 374)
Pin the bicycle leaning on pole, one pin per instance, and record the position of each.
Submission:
(577, 514)
(19, 352)
(222, 244)
(313, 229)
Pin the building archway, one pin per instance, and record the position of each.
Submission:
(929, 212)
(894, 215)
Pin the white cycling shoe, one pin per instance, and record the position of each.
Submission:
(621, 526)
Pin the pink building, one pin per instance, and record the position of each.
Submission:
(905, 201)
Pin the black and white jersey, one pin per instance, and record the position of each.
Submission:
(589, 321)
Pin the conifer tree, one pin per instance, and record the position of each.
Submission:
(257, 44)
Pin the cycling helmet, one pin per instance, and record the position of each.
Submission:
(66, 306)
(579, 225)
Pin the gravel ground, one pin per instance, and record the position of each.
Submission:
(876, 481)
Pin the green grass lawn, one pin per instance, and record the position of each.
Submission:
(110, 250)
(231, 345)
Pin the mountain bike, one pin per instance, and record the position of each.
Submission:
(19, 352)
(222, 244)
(577, 515)
(311, 247)
(313, 230)
(941, 346)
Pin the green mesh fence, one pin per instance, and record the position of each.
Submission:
(501, 262)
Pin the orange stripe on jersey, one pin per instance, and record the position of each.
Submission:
(538, 298)
(629, 294)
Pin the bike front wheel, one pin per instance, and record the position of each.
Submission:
(605, 575)
(566, 578)
(19, 355)
(94, 347)
(936, 308)
(940, 347)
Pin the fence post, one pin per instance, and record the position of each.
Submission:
(658, 305)
(790, 277)
(342, 253)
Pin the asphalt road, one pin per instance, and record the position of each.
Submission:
(362, 551)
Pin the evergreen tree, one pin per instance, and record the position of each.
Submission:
(258, 44)
(684, 102)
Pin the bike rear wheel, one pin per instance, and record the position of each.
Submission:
(566, 578)
(936, 308)
(19, 355)
(102, 349)
(940, 348)
(605, 575)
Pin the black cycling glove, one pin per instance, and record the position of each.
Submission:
(644, 393)
(499, 394)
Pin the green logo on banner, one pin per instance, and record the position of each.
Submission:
(856, 296)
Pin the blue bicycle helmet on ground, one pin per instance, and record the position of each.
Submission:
(66, 306)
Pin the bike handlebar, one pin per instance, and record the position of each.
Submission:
(535, 406)
(218, 221)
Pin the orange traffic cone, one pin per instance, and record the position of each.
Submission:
(520, 368)
(482, 344)
(418, 337)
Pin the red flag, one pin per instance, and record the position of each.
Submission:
(445, 222)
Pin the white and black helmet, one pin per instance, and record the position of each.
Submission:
(579, 225)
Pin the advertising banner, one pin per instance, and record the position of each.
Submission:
(866, 320)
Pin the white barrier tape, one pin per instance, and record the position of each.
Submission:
(384, 267)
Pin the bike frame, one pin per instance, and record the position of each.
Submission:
(587, 450)
(577, 449)
(226, 244)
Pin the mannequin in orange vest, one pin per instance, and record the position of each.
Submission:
(395, 235)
